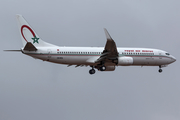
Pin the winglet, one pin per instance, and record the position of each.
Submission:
(107, 34)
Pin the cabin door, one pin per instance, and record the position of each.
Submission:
(49, 52)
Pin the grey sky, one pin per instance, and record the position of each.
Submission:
(33, 89)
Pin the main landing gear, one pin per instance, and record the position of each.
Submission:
(101, 68)
(160, 70)
(92, 71)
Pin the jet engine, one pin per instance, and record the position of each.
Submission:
(110, 68)
(125, 61)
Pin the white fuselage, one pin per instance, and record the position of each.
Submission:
(88, 55)
(100, 58)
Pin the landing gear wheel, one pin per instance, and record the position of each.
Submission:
(102, 68)
(160, 70)
(92, 71)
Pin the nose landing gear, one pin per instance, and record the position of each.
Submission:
(160, 70)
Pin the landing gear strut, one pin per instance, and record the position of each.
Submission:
(160, 70)
(92, 71)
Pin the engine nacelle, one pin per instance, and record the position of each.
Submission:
(110, 68)
(125, 61)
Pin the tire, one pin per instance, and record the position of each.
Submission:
(160, 70)
(102, 68)
(92, 71)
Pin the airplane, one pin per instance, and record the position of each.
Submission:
(101, 58)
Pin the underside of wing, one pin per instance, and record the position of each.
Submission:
(110, 51)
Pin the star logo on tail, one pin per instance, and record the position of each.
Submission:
(35, 40)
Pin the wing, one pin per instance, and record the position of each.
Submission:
(110, 51)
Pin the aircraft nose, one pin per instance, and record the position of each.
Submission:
(173, 59)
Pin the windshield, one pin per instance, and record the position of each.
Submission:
(167, 54)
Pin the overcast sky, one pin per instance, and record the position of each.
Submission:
(35, 90)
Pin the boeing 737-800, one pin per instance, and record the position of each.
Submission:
(100, 58)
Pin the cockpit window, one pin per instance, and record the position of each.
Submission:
(167, 54)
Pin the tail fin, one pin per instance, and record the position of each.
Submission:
(28, 35)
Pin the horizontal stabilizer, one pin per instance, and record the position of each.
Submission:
(30, 47)
(13, 50)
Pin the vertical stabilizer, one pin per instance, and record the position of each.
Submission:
(28, 34)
